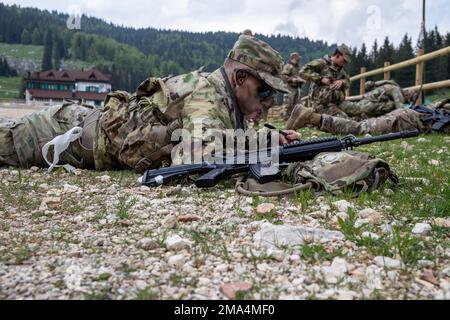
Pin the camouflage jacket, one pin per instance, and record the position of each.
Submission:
(135, 131)
(324, 68)
(384, 92)
(290, 71)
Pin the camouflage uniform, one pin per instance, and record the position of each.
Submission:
(21, 140)
(383, 97)
(321, 98)
(135, 131)
(290, 71)
(397, 120)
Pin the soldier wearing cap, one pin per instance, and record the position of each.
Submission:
(291, 76)
(134, 131)
(329, 81)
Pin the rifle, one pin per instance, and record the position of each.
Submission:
(295, 152)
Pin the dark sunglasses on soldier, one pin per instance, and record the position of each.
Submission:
(265, 92)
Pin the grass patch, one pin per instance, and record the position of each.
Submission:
(10, 88)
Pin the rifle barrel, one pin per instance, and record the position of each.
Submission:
(387, 137)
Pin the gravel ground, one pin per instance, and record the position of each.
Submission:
(99, 236)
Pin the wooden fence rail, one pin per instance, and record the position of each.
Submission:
(419, 62)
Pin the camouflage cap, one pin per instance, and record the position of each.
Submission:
(295, 54)
(262, 58)
(346, 52)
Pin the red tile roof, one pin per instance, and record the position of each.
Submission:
(93, 75)
(59, 95)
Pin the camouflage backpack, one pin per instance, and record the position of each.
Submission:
(335, 172)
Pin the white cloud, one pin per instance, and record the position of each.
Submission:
(334, 21)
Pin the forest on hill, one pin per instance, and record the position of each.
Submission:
(130, 55)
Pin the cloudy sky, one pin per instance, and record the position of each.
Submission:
(334, 21)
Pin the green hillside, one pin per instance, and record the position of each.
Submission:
(21, 51)
(9, 87)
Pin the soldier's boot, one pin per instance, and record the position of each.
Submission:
(301, 117)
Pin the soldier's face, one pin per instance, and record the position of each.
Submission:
(249, 98)
(338, 59)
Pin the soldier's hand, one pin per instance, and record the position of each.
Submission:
(337, 85)
(291, 136)
(325, 81)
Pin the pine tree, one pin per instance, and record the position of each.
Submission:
(26, 37)
(56, 52)
(48, 48)
(405, 77)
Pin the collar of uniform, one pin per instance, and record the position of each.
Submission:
(217, 79)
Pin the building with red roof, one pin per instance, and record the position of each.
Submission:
(54, 86)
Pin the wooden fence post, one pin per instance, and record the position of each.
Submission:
(362, 83)
(387, 74)
(419, 74)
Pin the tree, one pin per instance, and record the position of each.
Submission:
(405, 77)
(26, 37)
(47, 63)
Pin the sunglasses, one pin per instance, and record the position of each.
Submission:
(265, 92)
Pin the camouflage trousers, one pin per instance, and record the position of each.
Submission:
(21, 140)
(331, 109)
(291, 100)
(395, 121)
(365, 109)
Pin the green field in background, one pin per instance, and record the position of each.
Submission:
(9, 88)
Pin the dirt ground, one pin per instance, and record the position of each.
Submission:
(17, 109)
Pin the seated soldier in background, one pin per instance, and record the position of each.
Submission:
(291, 76)
(135, 131)
(329, 82)
(435, 117)
(381, 97)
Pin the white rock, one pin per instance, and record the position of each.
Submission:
(336, 272)
(265, 208)
(386, 262)
(70, 189)
(44, 187)
(177, 261)
(170, 222)
(271, 236)
(221, 268)
(343, 215)
(370, 235)
(140, 284)
(435, 163)
(423, 140)
(446, 271)
(276, 255)
(104, 178)
(148, 244)
(421, 229)
(367, 213)
(342, 205)
(204, 282)
(370, 216)
(373, 279)
(176, 243)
